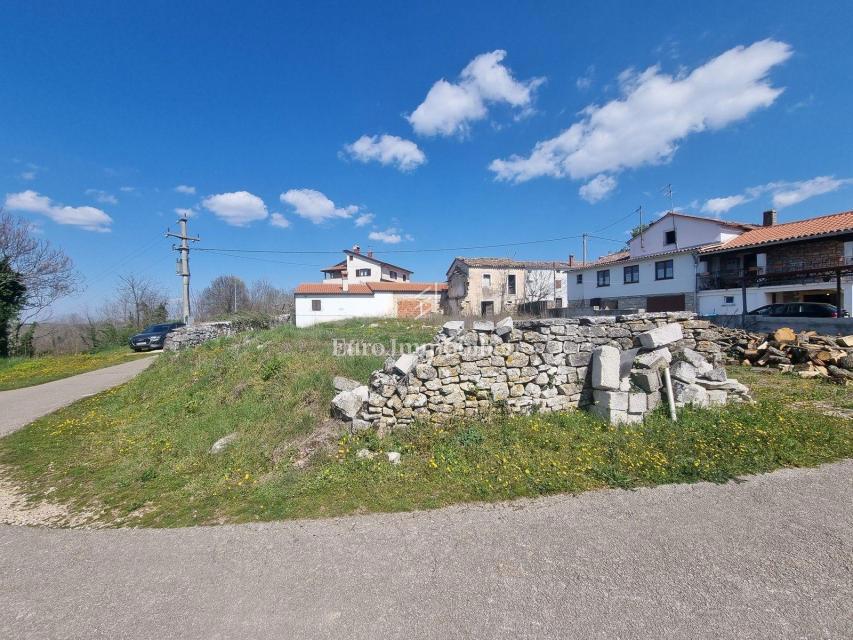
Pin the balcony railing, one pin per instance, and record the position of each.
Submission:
(800, 272)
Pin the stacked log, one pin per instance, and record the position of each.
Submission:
(806, 354)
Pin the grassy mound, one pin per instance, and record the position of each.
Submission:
(138, 455)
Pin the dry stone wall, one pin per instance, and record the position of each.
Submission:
(535, 365)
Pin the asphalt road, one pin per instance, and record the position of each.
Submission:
(771, 557)
(19, 407)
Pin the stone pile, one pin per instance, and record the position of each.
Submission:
(629, 384)
(195, 334)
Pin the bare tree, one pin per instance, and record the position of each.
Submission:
(47, 272)
(139, 301)
(224, 296)
(266, 298)
(538, 285)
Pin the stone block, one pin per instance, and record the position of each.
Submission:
(637, 403)
(347, 404)
(405, 363)
(517, 359)
(483, 325)
(611, 399)
(661, 336)
(425, 372)
(716, 374)
(717, 397)
(683, 371)
(345, 384)
(504, 327)
(453, 327)
(646, 379)
(656, 359)
(605, 368)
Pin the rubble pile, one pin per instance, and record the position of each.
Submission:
(629, 384)
(805, 354)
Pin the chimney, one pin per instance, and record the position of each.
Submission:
(356, 249)
(571, 260)
(769, 218)
(370, 253)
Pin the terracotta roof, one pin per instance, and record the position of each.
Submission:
(800, 230)
(728, 223)
(368, 288)
(509, 263)
(341, 266)
(610, 258)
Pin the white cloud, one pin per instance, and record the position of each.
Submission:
(278, 220)
(389, 236)
(89, 218)
(28, 175)
(783, 194)
(719, 206)
(655, 113)
(102, 196)
(585, 81)
(787, 194)
(127, 189)
(185, 188)
(387, 150)
(449, 107)
(315, 206)
(238, 208)
(598, 188)
(364, 219)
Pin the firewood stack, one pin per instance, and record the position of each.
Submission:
(805, 354)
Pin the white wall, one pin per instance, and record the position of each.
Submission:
(689, 232)
(713, 303)
(341, 307)
(683, 281)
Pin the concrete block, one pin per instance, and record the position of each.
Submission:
(504, 327)
(617, 400)
(405, 363)
(656, 359)
(453, 327)
(637, 403)
(683, 371)
(483, 325)
(646, 379)
(605, 368)
(661, 336)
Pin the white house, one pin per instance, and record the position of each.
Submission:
(657, 272)
(362, 286)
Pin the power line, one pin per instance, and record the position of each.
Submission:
(427, 250)
(232, 255)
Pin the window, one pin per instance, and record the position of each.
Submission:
(405, 277)
(316, 305)
(728, 299)
(558, 284)
(558, 302)
(663, 270)
(487, 280)
(362, 273)
(669, 237)
(579, 278)
(393, 275)
(510, 284)
(604, 278)
(632, 274)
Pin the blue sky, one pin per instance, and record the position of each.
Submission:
(503, 124)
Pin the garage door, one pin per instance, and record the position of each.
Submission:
(665, 303)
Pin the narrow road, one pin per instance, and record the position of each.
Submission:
(19, 407)
(770, 557)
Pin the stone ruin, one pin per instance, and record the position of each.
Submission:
(609, 365)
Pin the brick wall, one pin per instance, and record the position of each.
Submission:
(800, 255)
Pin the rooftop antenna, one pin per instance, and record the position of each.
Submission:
(667, 191)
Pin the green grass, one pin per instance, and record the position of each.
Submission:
(138, 454)
(16, 373)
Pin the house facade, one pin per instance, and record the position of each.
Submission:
(362, 286)
(806, 261)
(489, 286)
(657, 271)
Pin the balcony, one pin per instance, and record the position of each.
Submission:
(828, 270)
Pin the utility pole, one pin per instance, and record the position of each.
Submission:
(183, 267)
(640, 211)
(584, 248)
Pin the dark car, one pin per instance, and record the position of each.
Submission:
(799, 310)
(153, 337)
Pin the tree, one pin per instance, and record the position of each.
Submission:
(13, 295)
(47, 272)
(224, 296)
(140, 302)
(538, 285)
(266, 298)
(640, 228)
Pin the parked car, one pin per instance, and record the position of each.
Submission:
(153, 337)
(799, 310)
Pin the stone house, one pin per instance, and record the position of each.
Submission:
(362, 286)
(489, 286)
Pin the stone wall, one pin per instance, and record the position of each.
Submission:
(195, 334)
(536, 365)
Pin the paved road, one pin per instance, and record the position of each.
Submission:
(771, 557)
(19, 407)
